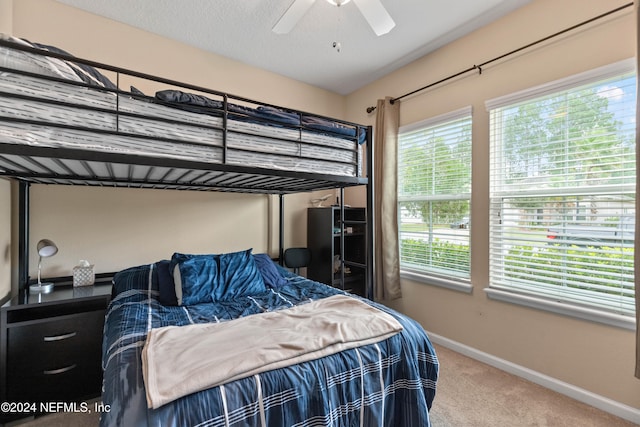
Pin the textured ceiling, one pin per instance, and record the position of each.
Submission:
(241, 30)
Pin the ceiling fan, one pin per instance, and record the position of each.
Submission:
(373, 11)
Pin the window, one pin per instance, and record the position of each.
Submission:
(562, 191)
(434, 190)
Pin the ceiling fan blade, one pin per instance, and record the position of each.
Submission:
(376, 15)
(291, 17)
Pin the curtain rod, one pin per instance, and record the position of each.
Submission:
(497, 58)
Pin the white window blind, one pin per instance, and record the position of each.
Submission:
(562, 194)
(434, 189)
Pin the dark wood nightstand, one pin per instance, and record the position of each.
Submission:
(50, 347)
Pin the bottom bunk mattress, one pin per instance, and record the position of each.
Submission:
(391, 381)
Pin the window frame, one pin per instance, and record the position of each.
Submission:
(461, 284)
(529, 298)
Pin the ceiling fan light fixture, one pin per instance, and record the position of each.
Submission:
(372, 10)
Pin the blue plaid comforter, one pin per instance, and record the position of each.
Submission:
(391, 383)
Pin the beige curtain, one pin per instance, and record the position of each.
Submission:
(387, 254)
(637, 238)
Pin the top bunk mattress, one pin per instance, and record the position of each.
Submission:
(47, 102)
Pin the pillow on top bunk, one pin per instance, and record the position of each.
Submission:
(198, 103)
(33, 63)
(86, 73)
(215, 277)
(179, 97)
(278, 115)
(54, 67)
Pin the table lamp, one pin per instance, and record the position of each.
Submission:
(46, 248)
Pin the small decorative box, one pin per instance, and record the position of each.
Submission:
(83, 274)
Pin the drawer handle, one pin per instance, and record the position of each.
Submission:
(60, 337)
(60, 371)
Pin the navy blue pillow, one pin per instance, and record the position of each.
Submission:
(166, 285)
(207, 278)
(270, 273)
(133, 278)
(277, 115)
(241, 276)
(198, 277)
(179, 97)
(134, 90)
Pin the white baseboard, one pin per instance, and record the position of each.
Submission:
(608, 405)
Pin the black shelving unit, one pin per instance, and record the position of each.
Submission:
(339, 248)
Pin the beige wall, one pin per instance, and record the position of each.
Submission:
(6, 16)
(115, 228)
(119, 227)
(594, 357)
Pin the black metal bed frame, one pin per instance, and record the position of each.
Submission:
(29, 164)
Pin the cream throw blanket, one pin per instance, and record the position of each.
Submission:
(180, 360)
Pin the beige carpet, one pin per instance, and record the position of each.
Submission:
(470, 394)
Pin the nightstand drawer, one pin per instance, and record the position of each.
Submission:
(65, 384)
(55, 358)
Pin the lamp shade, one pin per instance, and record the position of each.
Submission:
(47, 248)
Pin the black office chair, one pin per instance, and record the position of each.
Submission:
(296, 258)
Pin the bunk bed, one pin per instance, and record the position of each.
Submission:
(68, 121)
